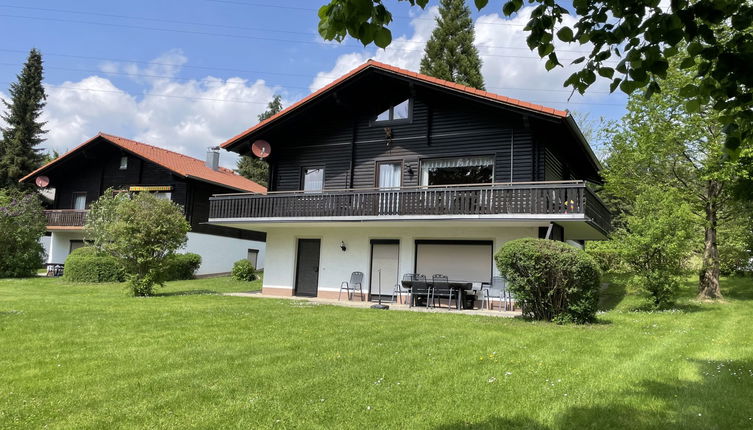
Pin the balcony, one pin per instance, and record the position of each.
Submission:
(543, 201)
(65, 219)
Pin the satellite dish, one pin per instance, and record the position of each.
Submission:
(261, 148)
(42, 181)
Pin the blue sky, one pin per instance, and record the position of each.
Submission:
(188, 74)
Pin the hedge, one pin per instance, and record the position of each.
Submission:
(551, 280)
(181, 267)
(86, 265)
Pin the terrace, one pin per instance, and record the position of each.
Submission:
(562, 201)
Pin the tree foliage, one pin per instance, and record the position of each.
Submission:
(631, 43)
(253, 168)
(659, 141)
(450, 53)
(141, 231)
(19, 152)
(655, 242)
(22, 224)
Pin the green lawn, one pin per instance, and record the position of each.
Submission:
(78, 356)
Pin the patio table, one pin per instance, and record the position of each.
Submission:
(461, 286)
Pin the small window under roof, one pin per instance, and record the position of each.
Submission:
(400, 111)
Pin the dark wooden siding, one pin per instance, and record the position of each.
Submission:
(97, 168)
(441, 126)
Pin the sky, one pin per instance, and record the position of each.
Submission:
(188, 74)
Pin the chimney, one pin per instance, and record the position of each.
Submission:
(213, 158)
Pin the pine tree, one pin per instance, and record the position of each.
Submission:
(256, 169)
(450, 53)
(19, 152)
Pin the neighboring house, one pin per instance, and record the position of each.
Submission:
(80, 176)
(387, 172)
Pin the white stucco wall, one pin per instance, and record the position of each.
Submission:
(336, 266)
(45, 241)
(60, 245)
(219, 253)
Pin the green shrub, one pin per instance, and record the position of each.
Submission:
(551, 280)
(243, 270)
(141, 231)
(179, 267)
(22, 223)
(87, 265)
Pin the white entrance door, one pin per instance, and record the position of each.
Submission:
(384, 267)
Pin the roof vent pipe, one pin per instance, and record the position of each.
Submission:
(213, 158)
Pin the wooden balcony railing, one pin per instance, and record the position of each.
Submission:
(539, 198)
(65, 218)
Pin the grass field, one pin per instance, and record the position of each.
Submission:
(78, 356)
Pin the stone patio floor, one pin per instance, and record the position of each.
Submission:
(393, 306)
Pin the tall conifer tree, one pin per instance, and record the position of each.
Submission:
(450, 53)
(256, 169)
(23, 133)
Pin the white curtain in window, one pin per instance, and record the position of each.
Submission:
(439, 163)
(389, 175)
(313, 180)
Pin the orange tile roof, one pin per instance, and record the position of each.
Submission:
(403, 72)
(183, 165)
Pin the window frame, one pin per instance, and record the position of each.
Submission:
(123, 163)
(401, 162)
(392, 120)
(76, 194)
(303, 178)
(422, 160)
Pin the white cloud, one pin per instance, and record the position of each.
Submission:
(520, 73)
(403, 52)
(181, 115)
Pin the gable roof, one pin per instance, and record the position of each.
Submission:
(371, 64)
(180, 164)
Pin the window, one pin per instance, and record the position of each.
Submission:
(79, 201)
(75, 244)
(398, 112)
(469, 261)
(454, 171)
(253, 257)
(389, 175)
(166, 195)
(123, 162)
(313, 179)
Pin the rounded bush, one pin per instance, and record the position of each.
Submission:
(87, 265)
(551, 280)
(180, 267)
(243, 270)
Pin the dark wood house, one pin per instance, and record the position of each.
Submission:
(79, 177)
(387, 172)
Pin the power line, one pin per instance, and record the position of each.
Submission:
(240, 3)
(305, 33)
(267, 39)
(224, 81)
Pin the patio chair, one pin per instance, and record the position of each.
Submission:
(398, 291)
(498, 290)
(355, 283)
(441, 289)
(420, 288)
(478, 292)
